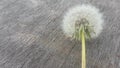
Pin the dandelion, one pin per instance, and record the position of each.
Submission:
(82, 22)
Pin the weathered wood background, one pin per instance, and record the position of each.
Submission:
(31, 35)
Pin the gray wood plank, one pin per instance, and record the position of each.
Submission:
(31, 35)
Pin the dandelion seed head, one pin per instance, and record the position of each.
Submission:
(77, 13)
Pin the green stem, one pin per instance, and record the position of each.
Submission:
(83, 50)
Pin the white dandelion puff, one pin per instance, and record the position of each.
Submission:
(77, 13)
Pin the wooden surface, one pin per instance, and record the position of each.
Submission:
(31, 35)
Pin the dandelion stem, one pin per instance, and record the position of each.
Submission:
(83, 50)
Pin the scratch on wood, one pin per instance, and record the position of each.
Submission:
(25, 38)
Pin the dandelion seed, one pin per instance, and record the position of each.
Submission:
(87, 12)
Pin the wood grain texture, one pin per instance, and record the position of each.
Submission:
(31, 35)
